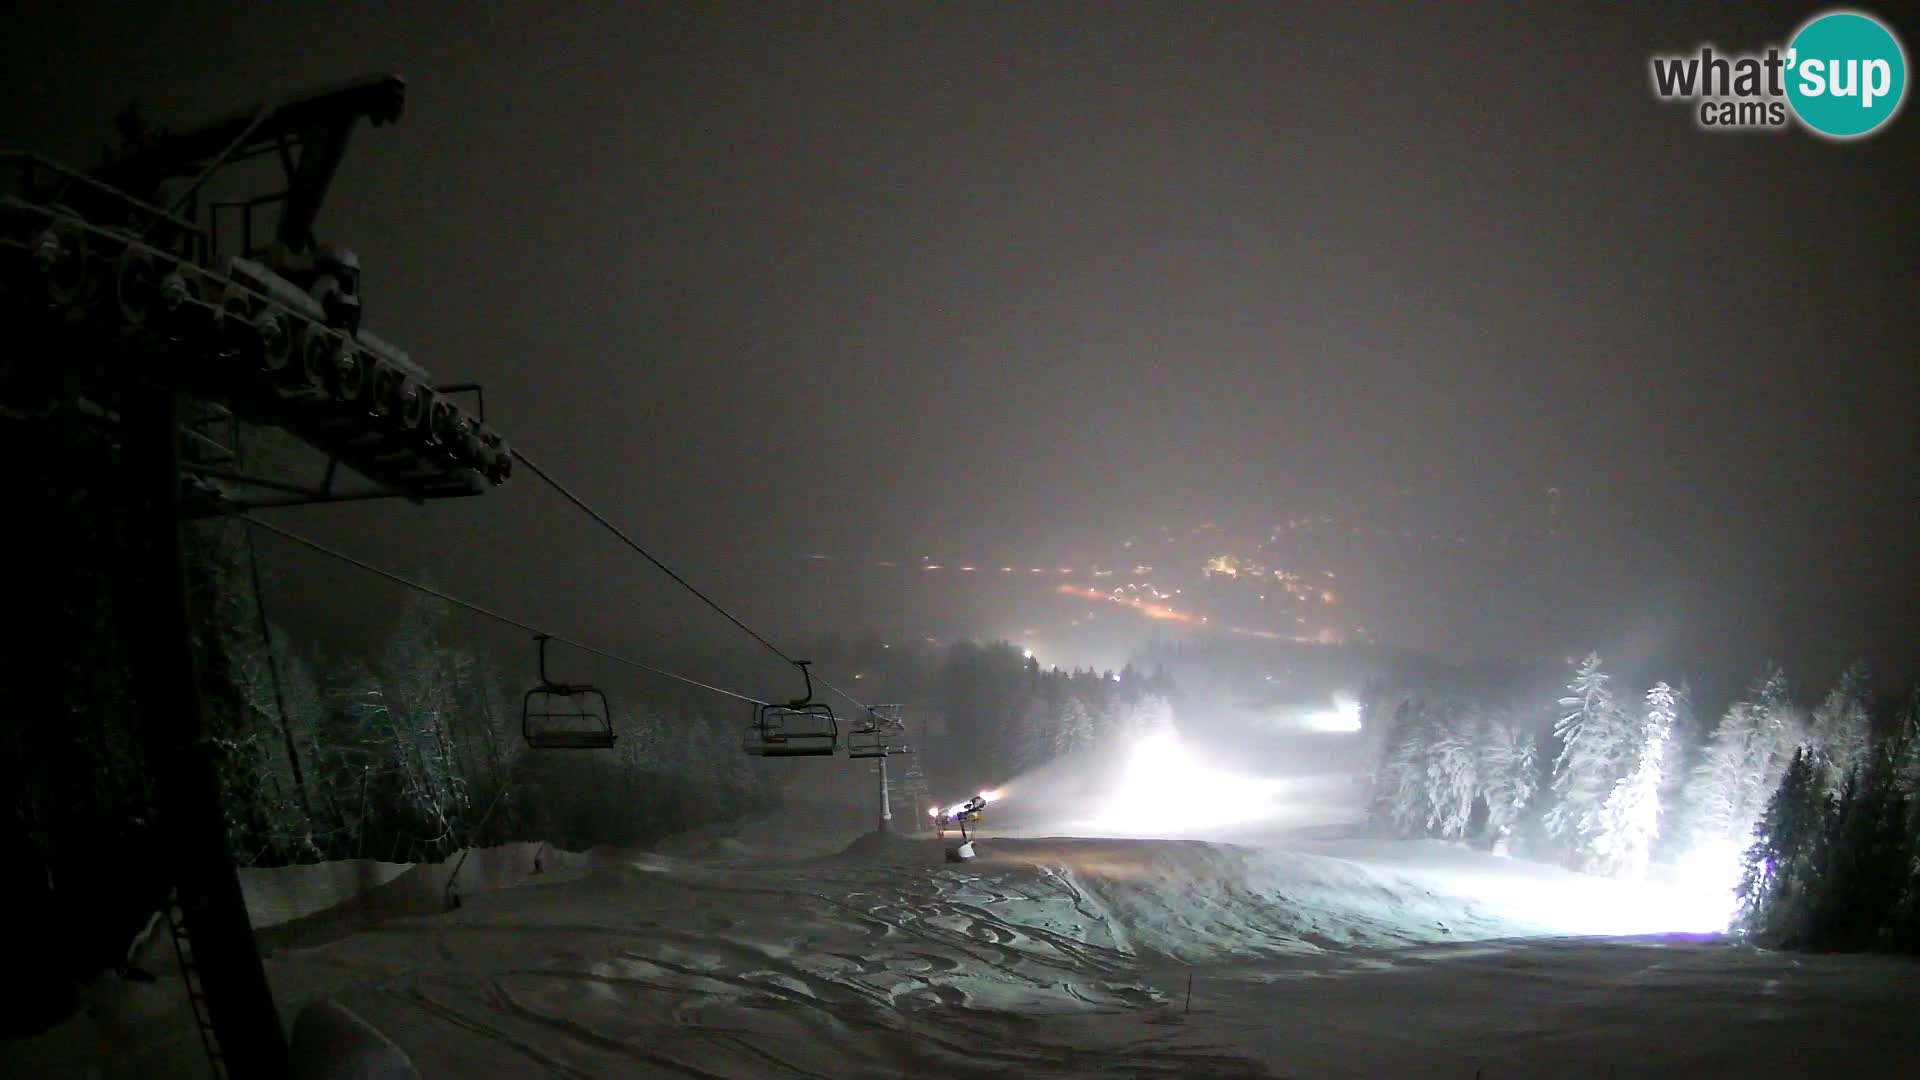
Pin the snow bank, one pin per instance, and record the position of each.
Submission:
(282, 894)
(331, 1042)
(304, 906)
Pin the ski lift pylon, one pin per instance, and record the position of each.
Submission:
(877, 733)
(802, 727)
(564, 716)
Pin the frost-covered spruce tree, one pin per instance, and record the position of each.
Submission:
(1400, 806)
(1779, 732)
(1075, 729)
(1713, 790)
(1682, 748)
(1034, 729)
(1739, 769)
(1452, 779)
(1591, 741)
(1838, 731)
(1507, 765)
(1630, 818)
(1779, 874)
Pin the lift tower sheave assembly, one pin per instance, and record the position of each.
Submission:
(139, 336)
(881, 734)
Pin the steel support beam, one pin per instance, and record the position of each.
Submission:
(181, 755)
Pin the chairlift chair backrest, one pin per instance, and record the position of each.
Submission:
(874, 744)
(564, 716)
(802, 727)
(792, 730)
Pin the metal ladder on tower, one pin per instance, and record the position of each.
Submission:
(177, 929)
(915, 788)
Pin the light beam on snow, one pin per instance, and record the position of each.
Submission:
(1344, 716)
(1166, 789)
(1583, 905)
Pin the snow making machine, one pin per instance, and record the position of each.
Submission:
(962, 815)
(150, 306)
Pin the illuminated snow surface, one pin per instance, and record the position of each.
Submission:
(1043, 957)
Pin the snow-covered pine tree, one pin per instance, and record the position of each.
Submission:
(1630, 818)
(1452, 780)
(1683, 746)
(1400, 806)
(1779, 731)
(1148, 715)
(1591, 739)
(1739, 771)
(1713, 791)
(1839, 729)
(1035, 727)
(1507, 770)
(1778, 873)
(1075, 729)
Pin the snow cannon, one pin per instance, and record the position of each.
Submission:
(961, 815)
(972, 808)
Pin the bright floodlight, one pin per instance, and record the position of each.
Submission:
(1344, 716)
(1166, 789)
(933, 811)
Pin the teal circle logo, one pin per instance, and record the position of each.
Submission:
(1846, 74)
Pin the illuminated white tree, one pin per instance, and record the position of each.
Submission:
(1401, 804)
(1507, 776)
(1452, 776)
(1630, 818)
(1837, 733)
(1075, 728)
(1780, 729)
(1593, 738)
(1682, 744)
(1740, 769)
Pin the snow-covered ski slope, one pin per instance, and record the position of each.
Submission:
(1044, 957)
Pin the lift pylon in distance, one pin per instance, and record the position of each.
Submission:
(564, 716)
(802, 727)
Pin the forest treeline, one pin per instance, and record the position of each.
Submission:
(409, 746)
(1810, 816)
(981, 713)
(414, 750)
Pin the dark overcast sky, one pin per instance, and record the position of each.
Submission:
(769, 280)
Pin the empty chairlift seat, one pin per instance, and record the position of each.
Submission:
(878, 734)
(792, 730)
(564, 716)
(866, 744)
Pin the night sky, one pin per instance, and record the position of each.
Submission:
(965, 280)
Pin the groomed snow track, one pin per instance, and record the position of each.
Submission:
(1044, 957)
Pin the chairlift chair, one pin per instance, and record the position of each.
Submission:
(564, 716)
(876, 732)
(867, 744)
(802, 727)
